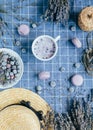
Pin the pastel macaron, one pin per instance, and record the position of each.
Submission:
(23, 30)
(77, 80)
(77, 42)
(44, 75)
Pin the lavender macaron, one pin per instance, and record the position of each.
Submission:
(44, 75)
(77, 42)
(23, 30)
(77, 80)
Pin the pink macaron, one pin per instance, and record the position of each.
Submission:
(23, 30)
(77, 42)
(77, 80)
(44, 75)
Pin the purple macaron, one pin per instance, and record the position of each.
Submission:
(77, 80)
(44, 75)
(77, 42)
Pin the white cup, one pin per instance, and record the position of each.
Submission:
(54, 42)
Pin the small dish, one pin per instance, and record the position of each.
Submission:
(19, 74)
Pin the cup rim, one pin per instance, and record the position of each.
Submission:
(56, 50)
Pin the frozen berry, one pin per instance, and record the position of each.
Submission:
(5, 56)
(7, 74)
(16, 63)
(8, 66)
(8, 77)
(71, 89)
(12, 77)
(61, 69)
(34, 25)
(39, 92)
(18, 43)
(12, 62)
(11, 74)
(14, 67)
(8, 70)
(77, 65)
(38, 88)
(4, 63)
(12, 58)
(4, 67)
(23, 50)
(15, 71)
(18, 71)
(52, 83)
(73, 28)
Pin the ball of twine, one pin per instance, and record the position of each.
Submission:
(85, 19)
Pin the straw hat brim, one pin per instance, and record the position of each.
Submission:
(15, 95)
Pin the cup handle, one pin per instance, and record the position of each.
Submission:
(57, 38)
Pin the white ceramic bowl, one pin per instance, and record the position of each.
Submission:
(54, 40)
(21, 67)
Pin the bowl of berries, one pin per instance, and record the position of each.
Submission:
(11, 68)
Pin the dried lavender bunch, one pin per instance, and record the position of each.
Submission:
(79, 117)
(58, 10)
(49, 121)
(63, 122)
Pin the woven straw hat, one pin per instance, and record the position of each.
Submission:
(85, 19)
(16, 116)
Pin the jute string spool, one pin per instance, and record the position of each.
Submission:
(85, 19)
